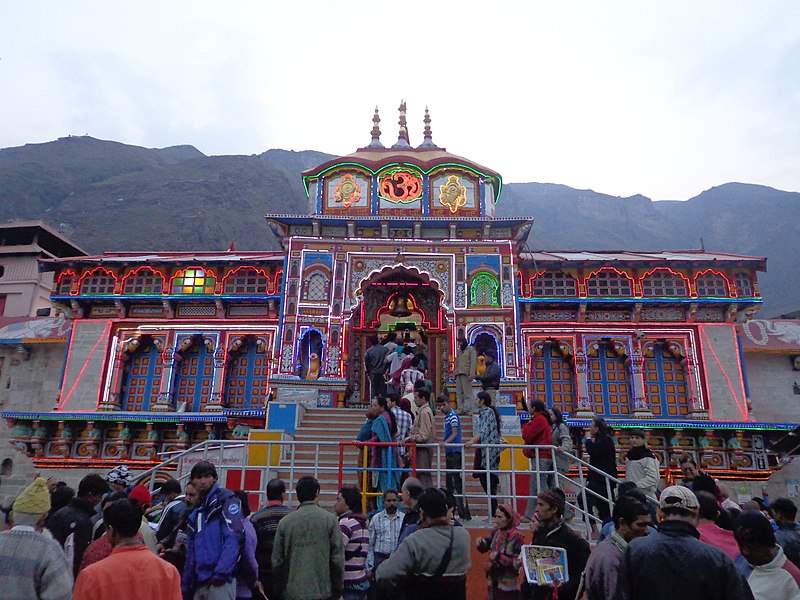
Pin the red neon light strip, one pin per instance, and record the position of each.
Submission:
(64, 399)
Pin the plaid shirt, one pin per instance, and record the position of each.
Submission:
(403, 421)
(383, 534)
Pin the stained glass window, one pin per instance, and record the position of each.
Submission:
(315, 287)
(484, 290)
(664, 283)
(143, 281)
(246, 281)
(98, 281)
(555, 284)
(711, 284)
(193, 281)
(608, 284)
(666, 387)
(552, 379)
(744, 285)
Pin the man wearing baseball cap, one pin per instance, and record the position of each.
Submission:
(674, 563)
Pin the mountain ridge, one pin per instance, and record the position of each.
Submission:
(106, 195)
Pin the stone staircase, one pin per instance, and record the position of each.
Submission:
(335, 425)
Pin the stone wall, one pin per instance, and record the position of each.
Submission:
(29, 379)
(723, 372)
(771, 380)
(83, 372)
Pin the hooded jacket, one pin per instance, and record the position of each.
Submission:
(215, 539)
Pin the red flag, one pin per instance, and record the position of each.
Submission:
(232, 248)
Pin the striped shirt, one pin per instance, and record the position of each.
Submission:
(383, 533)
(355, 538)
(265, 522)
(403, 421)
(452, 422)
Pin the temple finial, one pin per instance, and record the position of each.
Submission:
(428, 135)
(402, 137)
(376, 131)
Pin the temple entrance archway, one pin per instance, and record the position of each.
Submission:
(408, 303)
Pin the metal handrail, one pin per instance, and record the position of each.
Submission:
(215, 451)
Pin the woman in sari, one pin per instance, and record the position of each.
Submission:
(384, 462)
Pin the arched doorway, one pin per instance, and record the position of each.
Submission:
(408, 303)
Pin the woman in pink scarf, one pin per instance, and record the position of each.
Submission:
(504, 545)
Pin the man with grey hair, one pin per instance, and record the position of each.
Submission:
(34, 566)
(674, 563)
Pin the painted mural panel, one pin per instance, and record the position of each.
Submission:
(454, 194)
(346, 191)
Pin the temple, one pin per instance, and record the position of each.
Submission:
(170, 349)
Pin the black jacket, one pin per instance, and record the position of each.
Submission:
(490, 380)
(577, 555)
(72, 527)
(673, 563)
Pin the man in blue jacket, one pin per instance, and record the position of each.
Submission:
(215, 539)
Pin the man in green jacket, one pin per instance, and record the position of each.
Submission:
(308, 554)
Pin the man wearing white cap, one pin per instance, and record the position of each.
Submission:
(674, 563)
(33, 564)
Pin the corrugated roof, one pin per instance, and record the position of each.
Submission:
(611, 256)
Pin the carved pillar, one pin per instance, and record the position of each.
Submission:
(584, 408)
(163, 402)
(696, 409)
(641, 409)
(215, 401)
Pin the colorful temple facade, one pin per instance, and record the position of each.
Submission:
(170, 349)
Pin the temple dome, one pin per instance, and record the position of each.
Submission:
(402, 180)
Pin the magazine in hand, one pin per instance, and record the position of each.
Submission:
(545, 565)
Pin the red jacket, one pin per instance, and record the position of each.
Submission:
(537, 432)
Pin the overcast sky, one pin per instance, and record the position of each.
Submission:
(664, 99)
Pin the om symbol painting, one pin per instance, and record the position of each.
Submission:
(400, 186)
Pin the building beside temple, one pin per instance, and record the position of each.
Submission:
(170, 349)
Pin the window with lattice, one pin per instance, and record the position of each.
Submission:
(246, 282)
(665, 383)
(608, 384)
(144, 281)
(711, 285)
(65, 283)
(608, 284)
(193, 281)
(555, 284)
(552, 379)
(744, 285)
(664, 283)
(98, 282)
(315, 287)
(484, 290)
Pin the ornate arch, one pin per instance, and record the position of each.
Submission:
(437, 282)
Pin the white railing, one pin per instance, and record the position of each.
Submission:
(293, 459)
